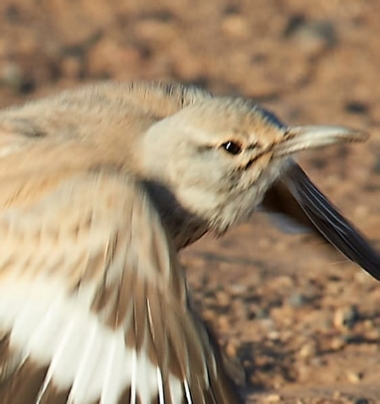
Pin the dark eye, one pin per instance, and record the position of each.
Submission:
(232, 147)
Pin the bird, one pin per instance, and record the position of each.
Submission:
(100, 187)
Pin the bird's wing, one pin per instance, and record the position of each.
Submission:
(298, 200)
(284, 210)
(93, 304)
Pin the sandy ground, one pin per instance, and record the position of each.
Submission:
(299, 323)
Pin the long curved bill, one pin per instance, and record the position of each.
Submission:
(297, 138)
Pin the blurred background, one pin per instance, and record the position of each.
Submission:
(298, 323)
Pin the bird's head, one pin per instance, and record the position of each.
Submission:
(217, 157)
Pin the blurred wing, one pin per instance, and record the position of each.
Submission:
(93, 305)
(315, 210)
(285, 211)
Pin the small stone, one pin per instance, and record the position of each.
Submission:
(356, 107)
(297, 300)
(361, 400)
(308, 350)
(353, 377)
(223, 323)
(237, 289)
(208, 315)
(235, 26)
(12, 75)
(312, 35)
(274, 335)
(230, 349)
(346, 317)
(376, 167)
(337, 395)
(71, 67)
(337, 344)
(273, 398)
(239, 309)
(262, 314)
(222, 298)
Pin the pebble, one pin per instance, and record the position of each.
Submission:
(353, 377)
(297, 300)
(313, 36)
(12, 74)
(361, 400)
(308, 350)
(273, 398)
(346, 317)
(223, 298)
(231, 349)
(239, 309)
(238, 289)
(336, 344)
(236, 26)
(223, 323)
(337, 395)
(274, 335)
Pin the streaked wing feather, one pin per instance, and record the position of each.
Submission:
(330, 223)
(93, 303)
(284, 210)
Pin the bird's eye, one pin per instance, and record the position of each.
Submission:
(232, 147)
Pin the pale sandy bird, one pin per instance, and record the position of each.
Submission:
(99, 188)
